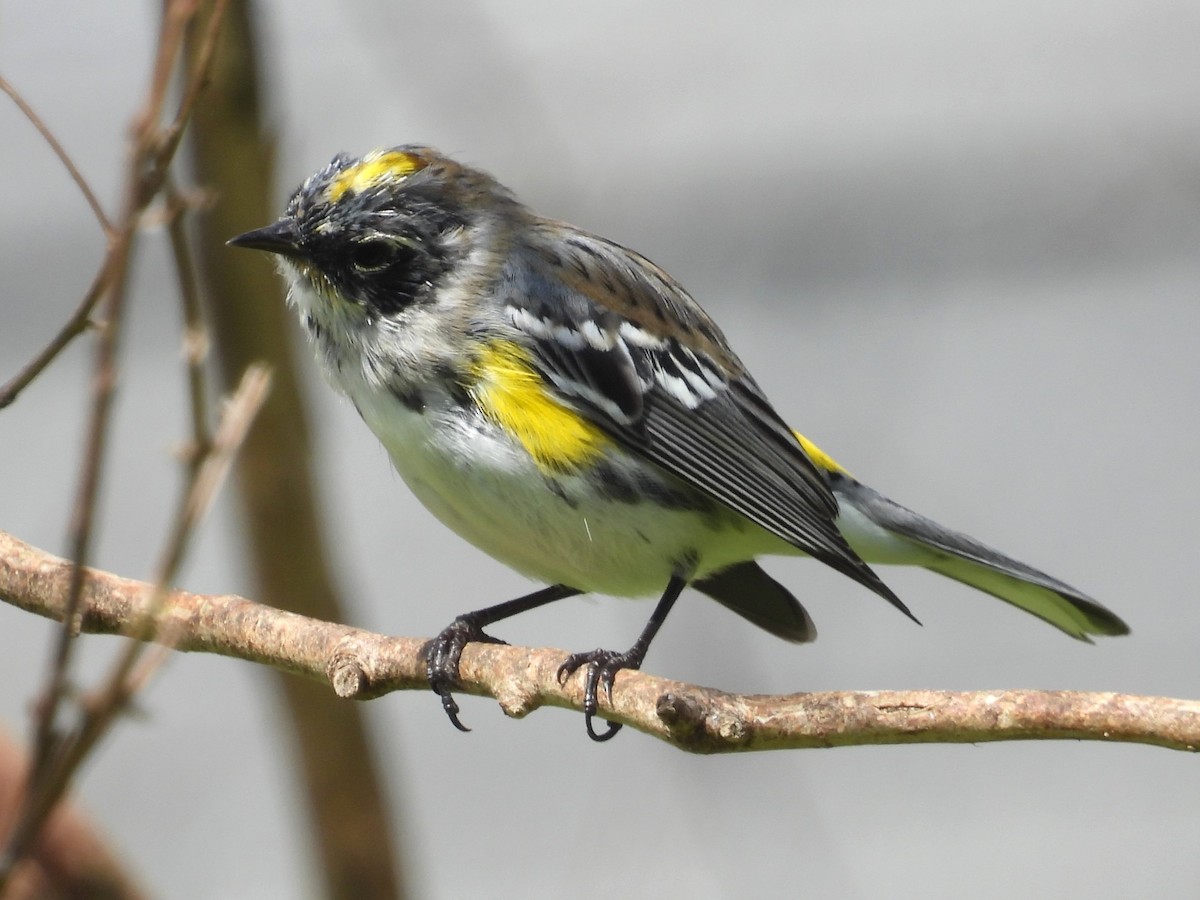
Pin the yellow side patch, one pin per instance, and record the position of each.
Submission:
(513, 395)
(819, 456)
(372, 169)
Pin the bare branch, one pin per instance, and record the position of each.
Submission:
(362, 665)
(195, 334)
(153, 153)
(205, 481)
(60, 152)
(67, 751)
(77, 324)
(197, 78)
(56, 754)
(149, 157)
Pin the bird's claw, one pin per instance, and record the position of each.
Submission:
(442, 657)
(602, 668)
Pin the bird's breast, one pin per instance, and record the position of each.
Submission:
(616, 526)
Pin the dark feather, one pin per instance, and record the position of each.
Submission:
(700, 416)
(757, 597)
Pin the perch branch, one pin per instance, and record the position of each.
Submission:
(362, 665)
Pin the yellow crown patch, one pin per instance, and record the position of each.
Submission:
(373, 169)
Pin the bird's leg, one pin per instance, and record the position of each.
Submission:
(603, 665)
(442, 654)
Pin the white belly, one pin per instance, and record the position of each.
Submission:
(488, 490)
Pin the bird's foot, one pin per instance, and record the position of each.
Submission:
(442, 656)
(602, 668)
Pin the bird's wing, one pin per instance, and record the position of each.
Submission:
(753, 594)
(676, 395)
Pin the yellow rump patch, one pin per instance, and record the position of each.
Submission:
(513, 395)
(373, 169)
(819, 456)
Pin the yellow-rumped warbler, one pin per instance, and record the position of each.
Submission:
(562, 403)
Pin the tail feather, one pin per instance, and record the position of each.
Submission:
(965, 559)
(1064, 607)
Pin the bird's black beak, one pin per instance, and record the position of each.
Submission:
(280, 237)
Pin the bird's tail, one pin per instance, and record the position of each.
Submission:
(883, 531)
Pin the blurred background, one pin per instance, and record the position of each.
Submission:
(955, 243)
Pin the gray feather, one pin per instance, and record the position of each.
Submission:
(965, 559)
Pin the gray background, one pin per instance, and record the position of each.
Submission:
(955, 242)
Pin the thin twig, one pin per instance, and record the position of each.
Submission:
(147, 131)
(77, 324)
(153, 151)
(146, 172)
(236, 419)
(149, 157)
(123, 682)
(172, 134)
(104, 377)
(195, 333)
(61, 153)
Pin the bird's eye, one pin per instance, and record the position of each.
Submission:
(374, 255)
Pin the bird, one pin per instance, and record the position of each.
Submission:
(565, 405)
